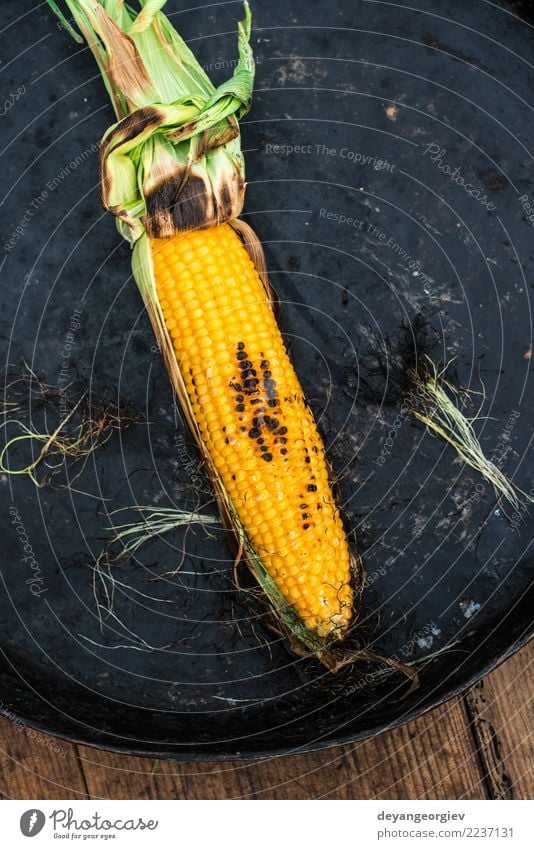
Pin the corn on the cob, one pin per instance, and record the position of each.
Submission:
(253, 419)
(172, 172)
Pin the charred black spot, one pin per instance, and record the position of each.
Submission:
(283, 451)
(239, 398)
(240, 346)
(255, 400)
(307, 460)
(303, 506)
(249, 372)
(305, 526)
(240, 408)
(282, 431)
(269, 384)
(179, 202)
(268, 457)
(261, 440)
(241, 355)
(280, 440)
(311, 487)
(245, 364)
(253, 433)
(251, 383)
(264, 364)
(267, 374)
(273, 402)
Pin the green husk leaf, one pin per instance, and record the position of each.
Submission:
(173, 161)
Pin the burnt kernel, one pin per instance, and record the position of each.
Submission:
(245, 364)
(239, 398)
(240, 408)
(307, 460)
(233, 477)
(242, 355)
(280, 440)
(319, 506)
(249, 372)
(240, 346)
(267, 374)
(306, 515)
(311, 487)
(282, 431)
(253, 433)
(283, 451)
(271, 394)
(269, 384)
(255, 400)
(224, 430)
(273, 402)
(242, 428)
(251, 383)
(306, 526)
(227, 441)
(261, 440)
(236, 386)
(267, 457)
(315, 449)
(264, 448)
(264, 364)
(303, 506)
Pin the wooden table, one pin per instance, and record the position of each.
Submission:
(479, 746)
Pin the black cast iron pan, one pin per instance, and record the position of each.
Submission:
(365, 115)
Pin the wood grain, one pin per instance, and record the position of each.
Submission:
(476, 747)
(433, 756)
(504, 720)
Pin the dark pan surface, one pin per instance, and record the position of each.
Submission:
(364, 88)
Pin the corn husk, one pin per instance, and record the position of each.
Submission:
(171, 163)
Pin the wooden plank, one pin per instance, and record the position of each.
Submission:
(476, 747)
(36, 766)
(430, 758)
(501, 711)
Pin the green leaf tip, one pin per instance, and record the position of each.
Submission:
(173, 161)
